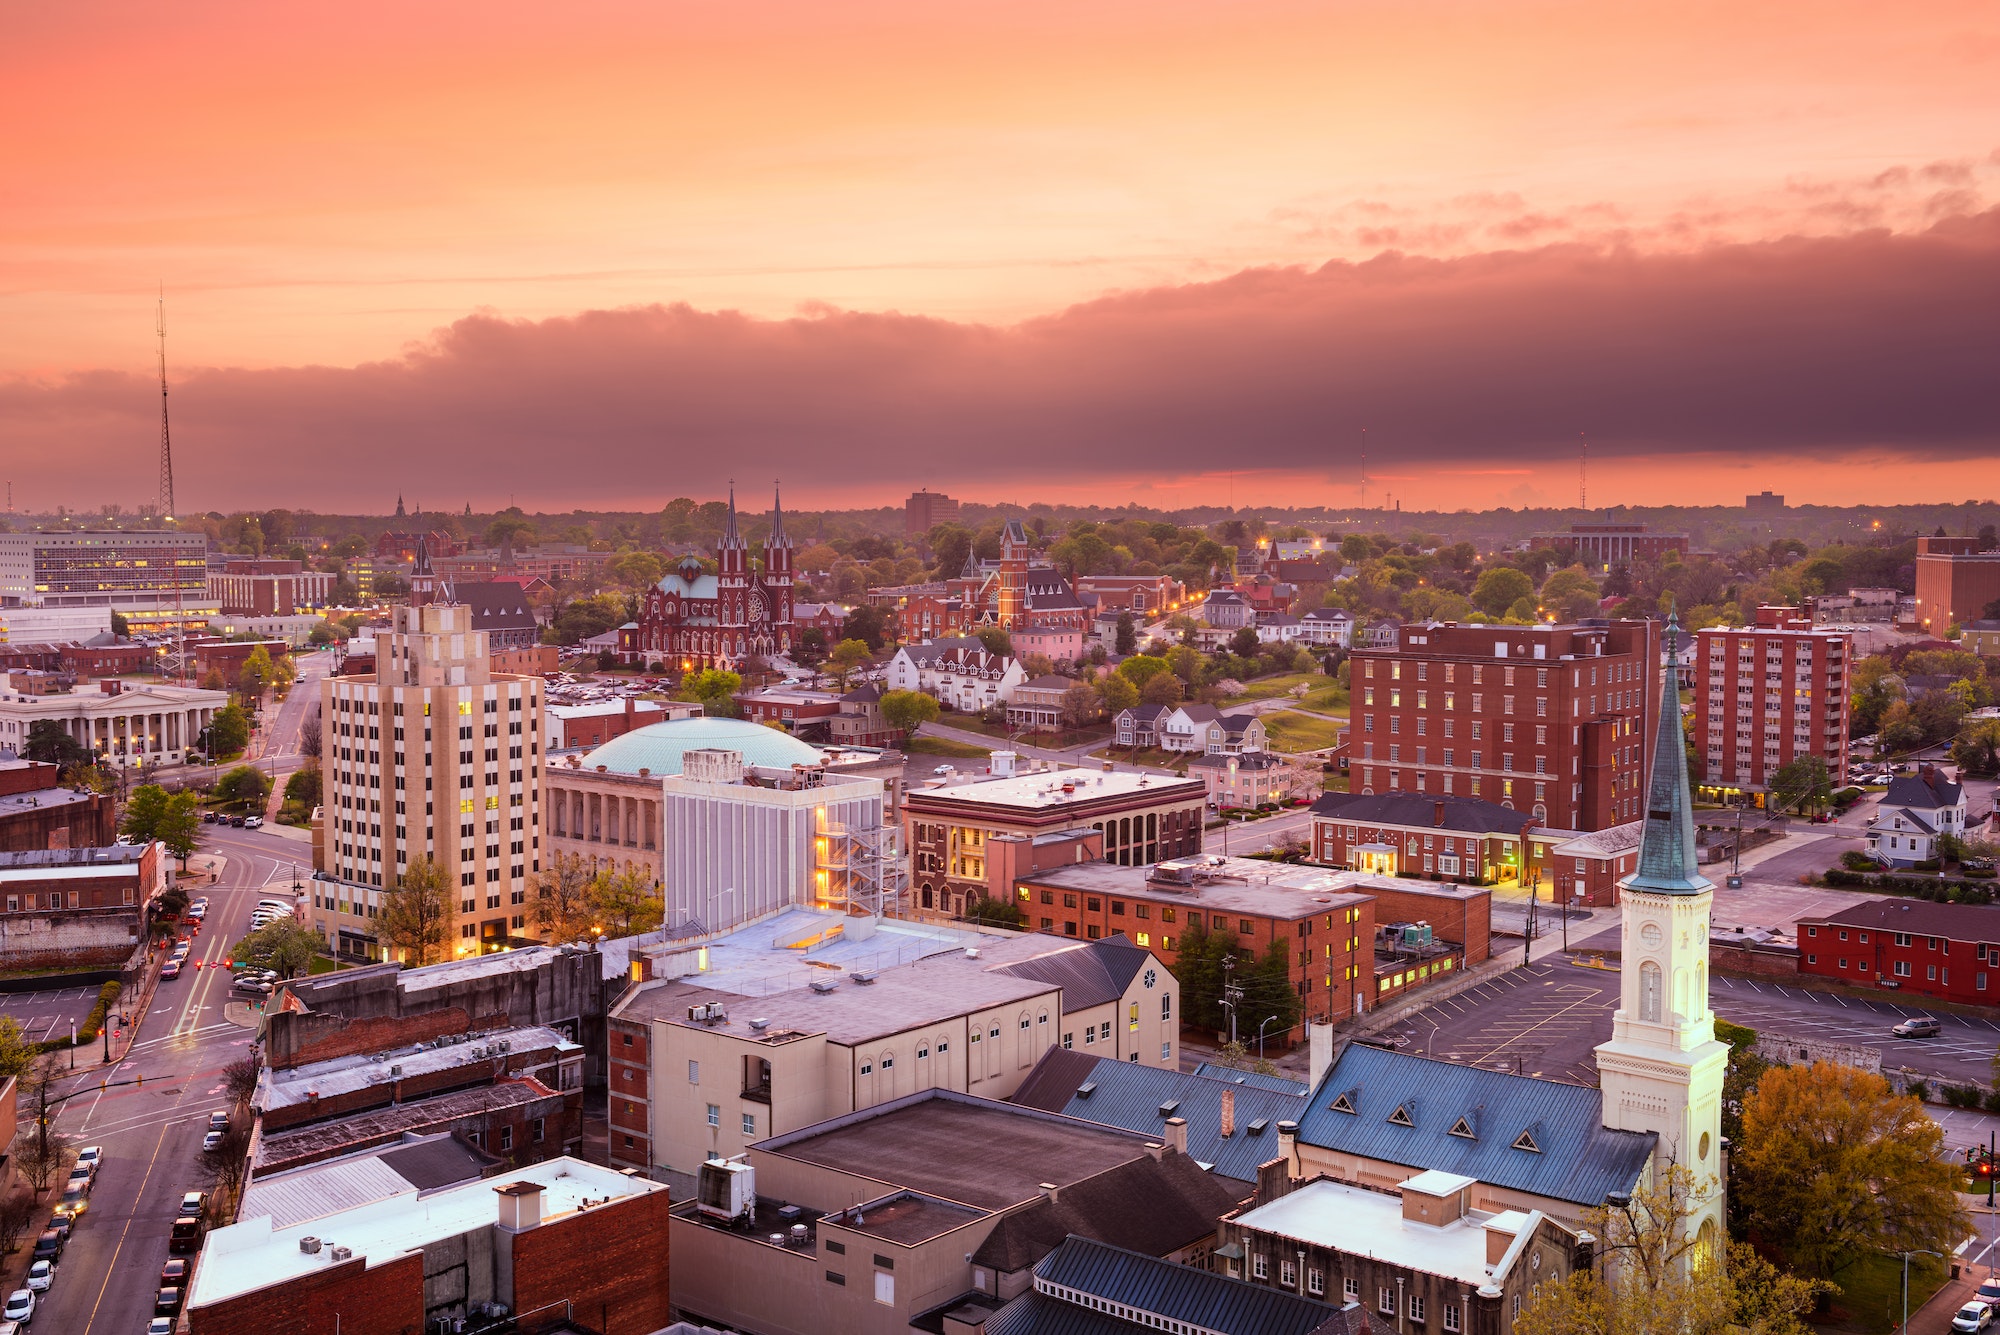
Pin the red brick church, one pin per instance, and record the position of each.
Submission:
(692, 619)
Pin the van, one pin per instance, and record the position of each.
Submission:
(1918, 1026)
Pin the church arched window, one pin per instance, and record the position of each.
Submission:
(1649, 992)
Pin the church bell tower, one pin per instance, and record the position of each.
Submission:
(1662, 1069)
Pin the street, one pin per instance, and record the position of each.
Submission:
(151, 1133)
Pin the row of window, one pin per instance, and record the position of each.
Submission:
(1901, 969)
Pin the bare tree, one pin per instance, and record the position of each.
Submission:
(239, 1078)
(309, 733)
(416, 915)
(228, 1164)
(17, 1211)
(562, 898)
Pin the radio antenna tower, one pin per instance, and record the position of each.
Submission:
(1583, 472)
(166, 436)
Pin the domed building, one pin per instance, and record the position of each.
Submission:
(731, 819)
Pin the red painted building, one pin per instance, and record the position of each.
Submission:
(1767, 694)
(1553, 721)
(1950, 952)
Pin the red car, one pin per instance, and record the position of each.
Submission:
(171, 969)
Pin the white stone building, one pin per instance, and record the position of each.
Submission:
(135, 726)
(959, 672)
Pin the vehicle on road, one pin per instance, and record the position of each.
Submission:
(75, 1200)
(62, 1228)
(1918, 1026)
(82, 1174)
(171, 969)
(944, 769)
(40, 1275)
(253, 822)
(48, 1246)
(218, 1120)
(1989, 1291)
(281, 905)
(194, 1202)
(160, 1325)
(186, 1235)
(20, 1306)
(210, 1141)
(168, 1303)
(1974, 1316)
(92, 1155)
(174, 1274)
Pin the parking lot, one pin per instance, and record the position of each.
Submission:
(1962, 1051)
(1542, 1020)
(44, 1015)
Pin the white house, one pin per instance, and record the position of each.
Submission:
(958, 672)
(1279, 628)
(1226, 609)
(1332, 626)
(1916, 811)
(1206, 730)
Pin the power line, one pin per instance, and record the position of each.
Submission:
(166, 501)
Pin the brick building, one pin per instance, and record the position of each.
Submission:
(1956, 582)
(1767, 694)
(267, 588)
(75, 907)
(1145, 596)
(1605, 546)
(1141, 818)
(1553, 720)
(925, 510)
(1949, 952)
(37, 812)
(561, 1231)
(592, 725)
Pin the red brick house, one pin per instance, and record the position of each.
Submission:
(1950, 952)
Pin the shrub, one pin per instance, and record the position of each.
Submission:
(1738, 1037)
(1991, 1102)
(1928, 864)
(1920, 1090)
(1961, 1096)
(1857, 861)
(1835, 876)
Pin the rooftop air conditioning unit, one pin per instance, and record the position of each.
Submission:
(309, 1245)
(824, 985)
(863, 976)
(342, 1254)
(395, 1071)
(760, 1024)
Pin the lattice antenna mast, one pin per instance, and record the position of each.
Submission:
(166, 436)
(1583, 471)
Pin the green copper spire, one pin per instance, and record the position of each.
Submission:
(1667, 862)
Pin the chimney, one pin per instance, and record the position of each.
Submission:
(1176, 1134)
(1319, 1047)
(520, 1206)
(1228, 1112)
(1049, 1189)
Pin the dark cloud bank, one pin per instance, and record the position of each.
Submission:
(1825, 346)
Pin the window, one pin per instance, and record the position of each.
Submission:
(694, 1071)
(1451, 1316)
(885, 1289)
(1902, 968)
(1069, 1040)
(1416, 1308)
(1260, 1266)
(715, 1114)
(535, 1132)
(1288, 1273)
(506, 1137)
(749, 1124)
(1350, 1289)
(1315, 1280)
(1385, 1302)
(835, 1277)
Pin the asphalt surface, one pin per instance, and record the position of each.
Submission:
(46, 1015)
(151, 1133)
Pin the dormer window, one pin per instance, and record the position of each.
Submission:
(1526, 1141)
(1463, 1127)
(1344, 1103)
(1401, 1117)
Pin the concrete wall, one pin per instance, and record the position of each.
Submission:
(80, 938)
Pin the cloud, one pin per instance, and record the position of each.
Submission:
(1833, 348)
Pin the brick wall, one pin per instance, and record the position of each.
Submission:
(630, 1095)
(1467, 921)
(611, 1262)
(412, 1088)
(353, 1298)
(322, 1036)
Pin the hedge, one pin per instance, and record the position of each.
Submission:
(93, 1025)
(1938, 891)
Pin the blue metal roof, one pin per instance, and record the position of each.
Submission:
(1159, 1288)
(1577, 1159)
(1667, 860)
(658, 747)
(1128, 1095)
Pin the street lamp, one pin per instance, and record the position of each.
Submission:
(1906, 1283)
(1260, 1036)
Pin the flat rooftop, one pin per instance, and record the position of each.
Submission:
(256, 1254)
(1368, 1223)
(290, 1145)
(926, 1143)
(1044, 791)
(342, 1075)
(907, 1218)
(1237, 885)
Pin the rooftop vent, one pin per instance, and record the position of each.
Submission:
(760, 1024)
(824, 985)
(1086, 1089)
(863, 976)
(1256, 1128)
(1170, 1107)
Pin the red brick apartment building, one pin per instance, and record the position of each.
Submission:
(1766, 694)
(1328, 919)
(1556, 721)
(1955, 582)
(1950, 952)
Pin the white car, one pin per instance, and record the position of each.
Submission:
(40, 1275)
(277, 905)
(92, 1155)
(253, 822)
(944, 769)
(20, 1306)
(210, 1141)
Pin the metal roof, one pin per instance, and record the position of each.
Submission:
(1130, 1095)
(1927, 790)
(1089, 974)
(1466, 815)
(1153, 1287)
(1277, 1084)
(658, 747)
(1667, 860)
(1578, 1159)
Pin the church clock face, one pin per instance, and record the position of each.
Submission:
(1650, 934)
(756, 607)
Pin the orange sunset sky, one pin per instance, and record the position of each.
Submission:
(1166, 252)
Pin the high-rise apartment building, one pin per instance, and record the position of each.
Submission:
(434, 756)
(925, 510)
(1767, 694)
(1552, 720)
(1956, 582)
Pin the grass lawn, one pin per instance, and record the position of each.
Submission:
(323, 964)
(944, 746)
(1151, 757)
(1871, 1292)
(1291, 730)
(1062, 739)
(1328, 699)
(1264, 688)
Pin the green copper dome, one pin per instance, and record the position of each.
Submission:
(658, 747)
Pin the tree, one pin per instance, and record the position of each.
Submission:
(17, 1211)
(990, 912)
(229, 1162)
(866, 624)
(1119, 692)
(714, 688)
(179, 829)
(416, 914)
(1244, 643)
(257, 674)
(507, 529)
(144, 812)
(245, 788)
(1081, 703)
(562, 898)
(1268, 993)
(304, 788)
(229, 731)
(1803, 784)
(50, 743)
(1128, 635)
(635, 570)
(1834, 1164)
(1142, 668)
(16, 1052)
(626, 902)
(123, 630)
(848, 655)
(1500, 587)
(996, 640)
(41, 1158)
(1164, 688)
(1977, 749)
(950, 546)
(582, 618)
(907, 711)
(284, 946)
(809, 650)
(239, 1078)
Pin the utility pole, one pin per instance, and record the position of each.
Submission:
(1232, 995)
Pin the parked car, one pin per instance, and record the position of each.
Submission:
(49, 1245)
(236, 821)
(171, 969)
(168, 1303)
(62, 1228)
(160, 1325)
(210, 1141)
(40, 1275)
(1989, 1292)
(1918, 1026)
(174, 1274)
(92, 1155)
(218, 1120)
(253, 822)
(75, 1200)
(194, 1202)
(186, 1235)
(81, 1175)
(1974, 1316)
(20, 1307)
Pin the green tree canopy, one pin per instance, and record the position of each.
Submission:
(1117, 692)
(416, 915)
(1803, 784)
(1500, 587)
(257, 673)
(907, 711)
(243, 788)
(626, 902)
(284, 945)
(845, 658)
(1127, 641)
(229, 731)
(50, 742)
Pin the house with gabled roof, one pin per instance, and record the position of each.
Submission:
(1917, 811)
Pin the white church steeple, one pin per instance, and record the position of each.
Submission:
(1662, 1069)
